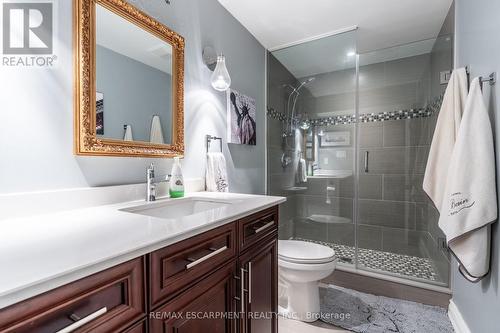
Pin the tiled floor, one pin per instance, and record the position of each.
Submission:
(295, 326)
(416, 267)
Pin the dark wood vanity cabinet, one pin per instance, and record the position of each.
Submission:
(259, 266)
(201, 308)
(199, 296)
(178, 266)
(114, 298)
(221, 281)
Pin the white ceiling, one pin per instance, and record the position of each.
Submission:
(123, 37)
(323, 55)
(381, 23)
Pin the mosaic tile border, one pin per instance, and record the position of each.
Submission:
(432, 108)
(400, 264)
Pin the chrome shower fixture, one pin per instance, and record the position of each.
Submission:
(292, 101)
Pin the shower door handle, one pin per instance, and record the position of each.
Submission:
(366, 160)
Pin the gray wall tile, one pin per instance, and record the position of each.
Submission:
(370, 187)
(395, 160)
(311, 230)
(408, 132)
(369, 237)
(422, 217)
(407, 242)
(404, 188)
(308, 205)
(370, 135)
(387, 213)
(341, 233)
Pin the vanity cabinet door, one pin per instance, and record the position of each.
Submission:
(200, 309)
(259, 268)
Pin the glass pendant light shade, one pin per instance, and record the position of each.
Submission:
(221, 80)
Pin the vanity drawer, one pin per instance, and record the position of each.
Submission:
(108, 301)
(257, 226)
(175, 267)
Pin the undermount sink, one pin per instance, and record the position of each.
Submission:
(172, 209)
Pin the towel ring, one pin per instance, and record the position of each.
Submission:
(209, 139)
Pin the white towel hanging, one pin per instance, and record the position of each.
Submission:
(128, 136)
(156, 134)
(445, 134)
(470, 199)
(216, 173)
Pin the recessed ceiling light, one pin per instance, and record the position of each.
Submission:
(351, 54)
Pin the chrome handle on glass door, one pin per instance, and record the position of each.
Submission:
(366, 160)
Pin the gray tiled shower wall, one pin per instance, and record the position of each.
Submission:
(393, 210)
(394, 214)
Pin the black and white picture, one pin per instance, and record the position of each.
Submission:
(241, 119)
(99, 113)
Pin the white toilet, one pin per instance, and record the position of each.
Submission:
(301, 266)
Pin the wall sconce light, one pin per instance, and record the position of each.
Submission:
(220, 79)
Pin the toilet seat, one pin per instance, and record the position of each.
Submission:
(307, 267)
(305, 253)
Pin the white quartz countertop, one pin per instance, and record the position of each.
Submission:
(43, 252)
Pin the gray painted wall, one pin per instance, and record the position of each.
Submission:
(477, 30)
(36, 131)
(133, 93)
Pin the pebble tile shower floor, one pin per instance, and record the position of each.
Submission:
(415, 267)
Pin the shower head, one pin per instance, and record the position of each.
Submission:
(309, 80)
(292, 100)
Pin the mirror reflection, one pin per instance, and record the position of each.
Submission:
(133, 81)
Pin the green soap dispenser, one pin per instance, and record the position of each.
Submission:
(177, 181)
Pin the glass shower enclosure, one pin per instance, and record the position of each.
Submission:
(348, 136)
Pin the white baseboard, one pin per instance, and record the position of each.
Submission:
(456, 319)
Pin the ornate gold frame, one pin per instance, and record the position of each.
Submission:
(86, 141)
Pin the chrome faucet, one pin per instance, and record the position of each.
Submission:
(153, 181)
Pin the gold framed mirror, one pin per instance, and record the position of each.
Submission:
(129, 82)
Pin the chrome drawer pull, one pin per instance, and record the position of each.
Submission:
(250, 282)
(264, 227)
(83, 321)
(242, 297)
(208, 256)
